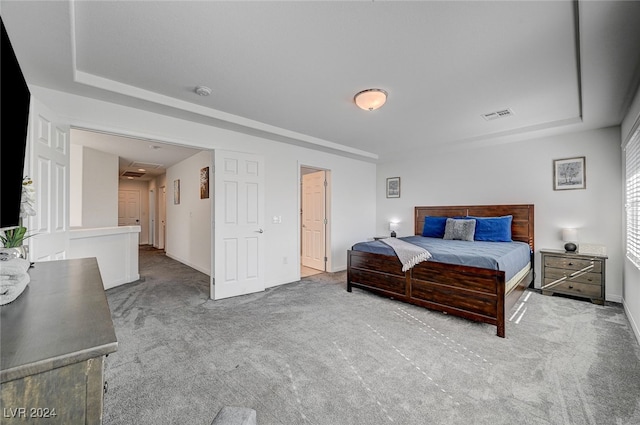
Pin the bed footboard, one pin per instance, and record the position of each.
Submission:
(469, 292)
(377, 273)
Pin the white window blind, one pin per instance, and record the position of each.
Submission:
(632, 175)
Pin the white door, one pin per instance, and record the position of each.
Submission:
(313, 220)
(152, 217)
(238, 224)
(162, 217)
(48, 160)
(128, 208)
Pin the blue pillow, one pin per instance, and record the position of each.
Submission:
(493, 229)
(434, 227)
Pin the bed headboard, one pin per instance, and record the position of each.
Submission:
(521, 226)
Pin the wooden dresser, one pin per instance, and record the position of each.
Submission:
(576, 274)
(55, 337)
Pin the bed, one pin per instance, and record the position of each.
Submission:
(483, 292)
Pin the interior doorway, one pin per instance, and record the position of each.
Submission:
(162, 217)
(152, 217)
(314, 220)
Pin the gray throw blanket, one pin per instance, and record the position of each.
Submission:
(408, 253)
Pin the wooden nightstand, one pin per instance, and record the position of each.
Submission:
(573, 273)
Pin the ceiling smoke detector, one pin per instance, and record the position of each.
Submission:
(203, 91)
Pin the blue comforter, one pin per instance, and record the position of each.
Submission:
(510, 257)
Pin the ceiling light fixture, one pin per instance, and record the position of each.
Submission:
(203, 90)
(370, 99)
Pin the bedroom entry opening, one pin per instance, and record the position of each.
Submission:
(315, 189)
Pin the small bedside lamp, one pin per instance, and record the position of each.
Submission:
(570, 236)
(393, 226)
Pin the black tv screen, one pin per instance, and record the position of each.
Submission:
(14, 118)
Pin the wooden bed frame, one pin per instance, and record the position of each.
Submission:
(470, 292)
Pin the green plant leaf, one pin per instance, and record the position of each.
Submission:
(15, 237)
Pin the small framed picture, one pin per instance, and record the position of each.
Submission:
(204, 183)
(393, 187)
(569, 173)
(176, 192)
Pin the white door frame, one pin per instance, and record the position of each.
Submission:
(327, 232)
(162, 218)
(314, 222)
(152, 217)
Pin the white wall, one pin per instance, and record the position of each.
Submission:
(94, 188)
(141, 187)
(631, 290)
(520, 173)
(115, 248)
(189, 222)
(75, 185)
(353, 200)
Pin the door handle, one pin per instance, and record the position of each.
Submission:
(260, 231)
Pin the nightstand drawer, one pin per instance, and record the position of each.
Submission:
(591, 278)
(593, 266)
(575, 288)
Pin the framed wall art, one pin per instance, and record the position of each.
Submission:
(393, 187)
(176, 191)
(204, 183)
(569, 173)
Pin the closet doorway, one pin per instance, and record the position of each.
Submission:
(314, 220)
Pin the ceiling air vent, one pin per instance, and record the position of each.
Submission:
(503, 113)
(146, 165)
(132, 174)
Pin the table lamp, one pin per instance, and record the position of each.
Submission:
(570, 236)
(393, 226)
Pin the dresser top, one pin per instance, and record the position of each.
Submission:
(572, 254)
(62, 317)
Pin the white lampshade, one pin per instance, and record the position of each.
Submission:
(370, 99)
(570, 235)
(393, 226)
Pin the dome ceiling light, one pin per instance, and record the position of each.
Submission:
(370, 99)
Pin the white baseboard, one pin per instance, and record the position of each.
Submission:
(119, 282)
(613, 298)
(632, 321)
(193, 266)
